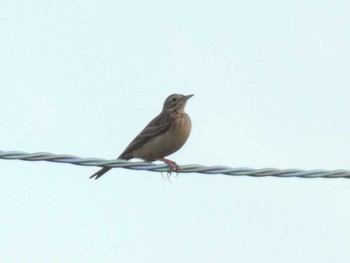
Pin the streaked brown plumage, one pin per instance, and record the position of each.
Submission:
(164, 135)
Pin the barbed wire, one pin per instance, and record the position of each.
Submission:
(189, 168)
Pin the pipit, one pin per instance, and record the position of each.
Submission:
(164, 135)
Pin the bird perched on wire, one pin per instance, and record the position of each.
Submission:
(164, 135)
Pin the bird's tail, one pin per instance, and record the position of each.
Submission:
(104, 170)
(100, 172)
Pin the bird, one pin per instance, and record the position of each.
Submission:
(164, 135)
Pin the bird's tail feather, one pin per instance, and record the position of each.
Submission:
(100, 172)
(104, 170)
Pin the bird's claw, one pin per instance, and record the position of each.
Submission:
(173, 167)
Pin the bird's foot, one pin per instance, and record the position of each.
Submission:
(173, 166)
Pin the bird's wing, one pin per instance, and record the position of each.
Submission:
(157, 126)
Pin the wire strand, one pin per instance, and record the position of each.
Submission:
(189, 168)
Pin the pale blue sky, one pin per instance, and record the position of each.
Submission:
(271, 84)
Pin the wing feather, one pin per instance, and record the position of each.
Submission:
(157, 126)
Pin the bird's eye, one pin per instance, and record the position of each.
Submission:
(174, 99)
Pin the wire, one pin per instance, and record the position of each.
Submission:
(189, 168)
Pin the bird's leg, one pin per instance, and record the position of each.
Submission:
(173, 166)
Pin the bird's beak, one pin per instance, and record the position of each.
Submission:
(188, 96)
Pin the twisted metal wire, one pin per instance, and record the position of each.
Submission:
(189, 168)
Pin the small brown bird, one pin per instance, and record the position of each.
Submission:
(164, 135)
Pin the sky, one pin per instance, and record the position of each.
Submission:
(271, 84)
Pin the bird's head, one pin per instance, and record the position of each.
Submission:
(176, 102)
